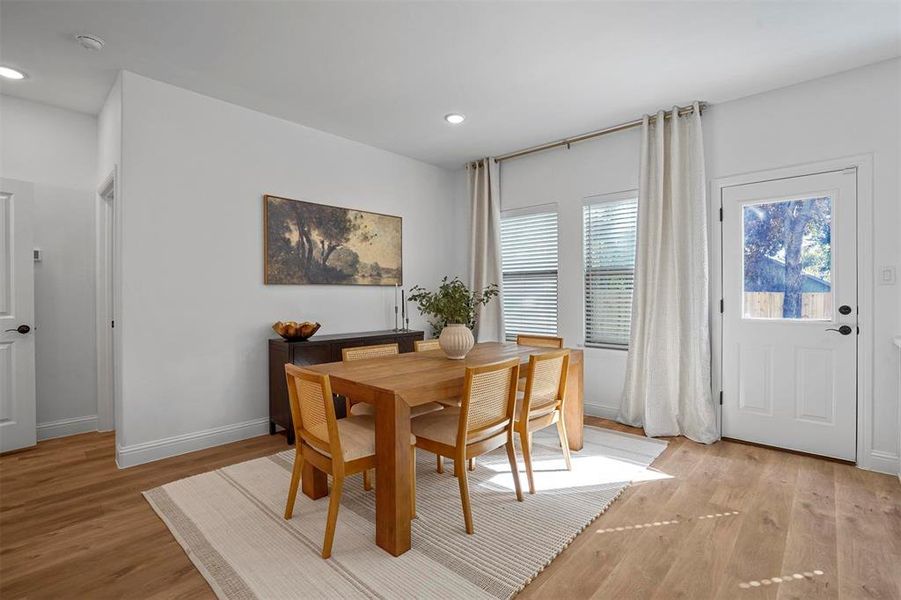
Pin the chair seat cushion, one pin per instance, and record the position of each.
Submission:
(442, 427)
(357, 434)
(362, 408)
(533, 413)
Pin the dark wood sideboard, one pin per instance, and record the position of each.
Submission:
(316, 350)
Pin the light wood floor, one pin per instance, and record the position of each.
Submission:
(74, 526)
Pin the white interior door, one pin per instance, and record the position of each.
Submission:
(17, 400)
(790, 313)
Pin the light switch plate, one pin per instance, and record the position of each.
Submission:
(38, 255)
(886, 275)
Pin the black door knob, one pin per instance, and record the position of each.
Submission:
(23, 329)
(844, 309)
(844, 330)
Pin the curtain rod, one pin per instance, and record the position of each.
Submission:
(683, 110)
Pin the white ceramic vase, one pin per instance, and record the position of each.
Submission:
(456, 341)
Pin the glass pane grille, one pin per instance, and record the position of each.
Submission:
(529, 255)
(609, 247)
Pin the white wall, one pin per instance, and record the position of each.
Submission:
(852, 113)
(195, 313)
(56, 149)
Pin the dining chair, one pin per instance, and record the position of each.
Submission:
(483, 423)
(380, 350)
(362, 353)
(544, 341)
(374, 351)
(541, 404)
(361, 408)
(425, 345)
(337, 447)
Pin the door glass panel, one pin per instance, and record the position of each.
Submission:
(788, 259)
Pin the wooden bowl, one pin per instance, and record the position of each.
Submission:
(293, 331)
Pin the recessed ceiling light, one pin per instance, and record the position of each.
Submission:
(454, 118)
(89, 42)
(11, 73)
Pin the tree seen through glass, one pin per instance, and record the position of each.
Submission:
(788, 259)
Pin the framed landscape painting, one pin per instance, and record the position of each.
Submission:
(308, 243)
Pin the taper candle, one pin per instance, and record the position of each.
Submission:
(395, 307)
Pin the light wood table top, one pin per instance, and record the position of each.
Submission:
(421, 377)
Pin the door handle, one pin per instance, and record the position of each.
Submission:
(844, 330)
(23, 329)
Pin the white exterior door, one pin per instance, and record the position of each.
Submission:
(17, 400)
(790, 313)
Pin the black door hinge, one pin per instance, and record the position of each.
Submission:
(721, 397)
(721, 305)
(112, 324)
(721, 214)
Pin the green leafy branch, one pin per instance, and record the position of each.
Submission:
(452, 303)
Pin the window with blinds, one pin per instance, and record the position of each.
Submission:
(529, 254)
(609, 250)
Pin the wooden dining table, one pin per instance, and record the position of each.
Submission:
(394, 385)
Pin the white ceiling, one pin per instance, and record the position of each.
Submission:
(386, 73)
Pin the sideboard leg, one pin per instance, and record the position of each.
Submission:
(271, 427)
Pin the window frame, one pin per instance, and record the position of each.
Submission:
(537, 209)
(593, 200)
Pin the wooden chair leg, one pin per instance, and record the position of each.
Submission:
(367, 480)
(526, 443)
(564, 443)
(295, 482)
(472, 464)
(440, 463)
(514, 468)
(464, 495)
(413, 481)
(333, 504)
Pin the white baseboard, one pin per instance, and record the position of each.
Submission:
(599, 410)
(882, 462)
(64, 427)
(138, 454)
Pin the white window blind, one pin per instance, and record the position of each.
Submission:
(609, 247)
(529, 254)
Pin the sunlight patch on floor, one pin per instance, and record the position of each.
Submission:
(746, 585)
(551, 473)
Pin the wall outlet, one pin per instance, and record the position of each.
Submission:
(886, 275)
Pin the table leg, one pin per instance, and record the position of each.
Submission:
(574, 411)
(313, 481)
(392, 481)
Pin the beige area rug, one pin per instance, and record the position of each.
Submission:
(230, 524)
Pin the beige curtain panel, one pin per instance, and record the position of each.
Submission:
(667, 389)
(485, 247)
